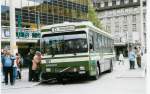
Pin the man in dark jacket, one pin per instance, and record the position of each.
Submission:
(30, 58)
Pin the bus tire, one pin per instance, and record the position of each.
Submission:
(97, 74)
(99, 67)
(42, 80)
(111, 67)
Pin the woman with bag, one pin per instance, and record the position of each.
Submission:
(35, 66)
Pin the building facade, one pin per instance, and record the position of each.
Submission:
(45, 12)
(30, 15)
(123, 19)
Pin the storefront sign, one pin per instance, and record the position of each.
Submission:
(22, 35)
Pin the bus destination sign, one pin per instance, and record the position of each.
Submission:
(63, 28)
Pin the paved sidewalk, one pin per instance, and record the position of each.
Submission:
(128, 73)
(123, 72)
(23, 83)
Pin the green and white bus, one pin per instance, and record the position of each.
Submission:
(75, 50)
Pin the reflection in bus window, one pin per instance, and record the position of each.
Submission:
(64, 43)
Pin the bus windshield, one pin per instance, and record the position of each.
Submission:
(64, 43)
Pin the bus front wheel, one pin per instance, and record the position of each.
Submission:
(97, 74)
(111, 67)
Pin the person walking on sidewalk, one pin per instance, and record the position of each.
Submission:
(19, 65)
(3, 53)
(30, 58)
(131, 57)
(121, 58)
(14, 70)
(138, 56)
(8, 62)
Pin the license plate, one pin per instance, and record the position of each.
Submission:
(81, 72)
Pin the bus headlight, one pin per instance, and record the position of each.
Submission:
(48, 70)
(81, 72)
(82, 68)
(74, 69)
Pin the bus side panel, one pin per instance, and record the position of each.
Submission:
(94, 59)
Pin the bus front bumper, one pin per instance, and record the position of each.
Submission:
(64, 75)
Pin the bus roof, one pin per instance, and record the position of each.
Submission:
(83, 23)
(68, 23)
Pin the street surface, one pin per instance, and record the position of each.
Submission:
(120, 81)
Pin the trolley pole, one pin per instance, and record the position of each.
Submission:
(13, 46)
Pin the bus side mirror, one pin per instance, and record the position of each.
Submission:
(91, 46)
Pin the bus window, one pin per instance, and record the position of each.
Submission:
(65, 43)
(103, 41)
(100, 41)
(91, 42)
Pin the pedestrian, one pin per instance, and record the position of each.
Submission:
(19, 65)
(8, 62)
(14, 70)
(36, 66)
(132, 57)
(3, 53)
(121, 58)
(138, 56)
(29, 59)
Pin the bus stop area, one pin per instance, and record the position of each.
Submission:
(119, 72)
